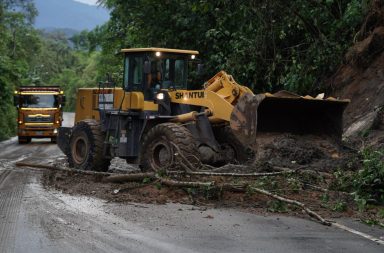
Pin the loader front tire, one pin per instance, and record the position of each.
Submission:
(86, 147)
(158, 150)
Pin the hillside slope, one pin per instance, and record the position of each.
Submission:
(361, 79)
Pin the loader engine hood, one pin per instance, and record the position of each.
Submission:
(286, 112)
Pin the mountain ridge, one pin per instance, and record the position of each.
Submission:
(69, 14)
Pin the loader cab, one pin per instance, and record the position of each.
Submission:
(149, 70)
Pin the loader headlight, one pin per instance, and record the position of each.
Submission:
(158, 54)
(193, 57)
(55, 131)
(160, 96)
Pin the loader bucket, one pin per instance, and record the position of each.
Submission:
(286, 112)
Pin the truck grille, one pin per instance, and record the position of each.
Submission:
(38, 119)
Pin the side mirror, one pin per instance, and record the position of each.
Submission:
(147, 67)
(16, 100)
(200, 69)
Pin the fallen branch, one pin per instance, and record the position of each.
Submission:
(302, 169)
(175, 183)
(51, 167)
(224, 174)
(317, 188)
(187, 166)
(293, 202)
(225, 167)
(121, 178)
(233, 187)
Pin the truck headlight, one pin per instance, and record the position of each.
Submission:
(55, 131)
(160, 96)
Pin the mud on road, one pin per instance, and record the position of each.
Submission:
(34, 219)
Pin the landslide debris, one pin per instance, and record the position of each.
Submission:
(318, 153)
(361, 79)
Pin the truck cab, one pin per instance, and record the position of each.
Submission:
(39, 112)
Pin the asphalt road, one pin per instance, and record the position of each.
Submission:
(33, 219)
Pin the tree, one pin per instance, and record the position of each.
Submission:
(265, 44)
(17, 45)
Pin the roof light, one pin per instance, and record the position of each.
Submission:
(193, 57)
(158, 53)
(160, 96)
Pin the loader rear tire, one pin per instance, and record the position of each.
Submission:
(230, 144)
(157, 151)
(86, 147)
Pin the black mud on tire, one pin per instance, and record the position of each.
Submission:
(157, 151)
(86, 147)
(225, 137)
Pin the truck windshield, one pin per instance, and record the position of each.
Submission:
(39, 101)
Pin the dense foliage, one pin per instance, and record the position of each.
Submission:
(17, 45)
(368, 183)
(265, 44)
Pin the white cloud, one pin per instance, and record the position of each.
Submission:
(90, 2)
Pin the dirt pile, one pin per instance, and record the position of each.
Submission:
(361, 79)
(319, 153)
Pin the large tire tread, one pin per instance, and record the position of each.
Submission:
(95, 159)
(176, 133)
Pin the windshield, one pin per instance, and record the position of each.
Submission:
(39, 101)
(174, 73)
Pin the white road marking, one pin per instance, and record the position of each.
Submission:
(353, 231)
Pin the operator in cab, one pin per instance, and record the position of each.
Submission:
(153, 80)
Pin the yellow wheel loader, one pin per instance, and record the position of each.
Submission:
(154, 116)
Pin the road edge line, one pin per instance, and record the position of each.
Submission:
(353, 231)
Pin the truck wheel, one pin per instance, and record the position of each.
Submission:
(22, 139)
(157, 151)
(234, 150)
(86, 147)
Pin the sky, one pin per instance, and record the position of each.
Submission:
(90, 2)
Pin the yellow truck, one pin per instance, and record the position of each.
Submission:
(40, 112)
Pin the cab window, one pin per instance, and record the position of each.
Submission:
(137, 70)
(180, 73)
(133, 72)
